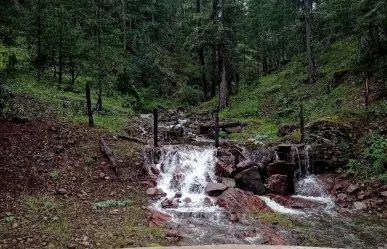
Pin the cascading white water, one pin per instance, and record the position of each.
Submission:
(187, 170)
(298, 157)
(307, 159)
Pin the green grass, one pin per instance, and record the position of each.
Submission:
(112, 117)
(277, 219)
(274, 99)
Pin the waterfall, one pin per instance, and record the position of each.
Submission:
(298, 157)
(308, 163)
(187, 170)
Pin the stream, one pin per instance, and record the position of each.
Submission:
(185, 171)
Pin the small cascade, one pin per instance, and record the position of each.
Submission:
(308, 162)
(187, 170)
(298, 157)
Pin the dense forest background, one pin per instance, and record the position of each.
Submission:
(185, 50)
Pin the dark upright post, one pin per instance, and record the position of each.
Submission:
(155, 114)
(88, 100)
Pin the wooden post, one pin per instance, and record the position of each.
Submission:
(217, 127)
(88, 100)
(302, 125)
(155, 117)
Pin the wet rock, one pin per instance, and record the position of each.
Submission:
(243, 166)
(360, 205)
(233, 218)
(263, 156)
(167, 203)
(214, 189)
(208, 202)
(229, 182)
(223, 169)
(352, 188)
(151, 191)
(62, 191)
(250, 180)
(178, 195)
(342, 197)
(283, 168)
(187, 200)
(239, 201)
(277, 184)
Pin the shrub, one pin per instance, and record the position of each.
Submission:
(190, 96)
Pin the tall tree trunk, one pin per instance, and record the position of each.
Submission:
(201, 54)
(124, 24)
(214, 53)
(223, 89)
(309, 41)
(60, 73)
(99, 41)
(214, 72)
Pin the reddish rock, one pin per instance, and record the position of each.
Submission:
(223, 169)
(277, 184)
(214, 189)
(158, 219)
(187, 200)
(282, 168)
(341, 197)
(233, 218)
(238, 201)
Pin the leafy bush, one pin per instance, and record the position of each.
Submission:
(54, 175)
(190, 96)
(376, 151)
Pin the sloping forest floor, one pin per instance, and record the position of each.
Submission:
(52, 175)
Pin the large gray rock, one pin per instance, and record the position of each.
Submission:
(250, 180)
(214, 189)
(243, 166)
(229, 182)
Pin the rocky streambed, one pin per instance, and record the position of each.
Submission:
(285, 194)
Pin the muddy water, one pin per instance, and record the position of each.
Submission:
(185, 170)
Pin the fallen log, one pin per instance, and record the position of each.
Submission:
(109, 155)
(132, 139)
(204, 129)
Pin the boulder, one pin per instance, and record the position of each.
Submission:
(250, 180)
(283, 168)
(214, 189)
(239, 201)
(151, 191)
(243, 166)
(359, 205)
(158, 219)
(263, 156)
(167, 203)
(352, 188)
(223, 169)
(229, 182)
(277, 184)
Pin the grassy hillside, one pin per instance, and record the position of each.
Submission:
(275, 99)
